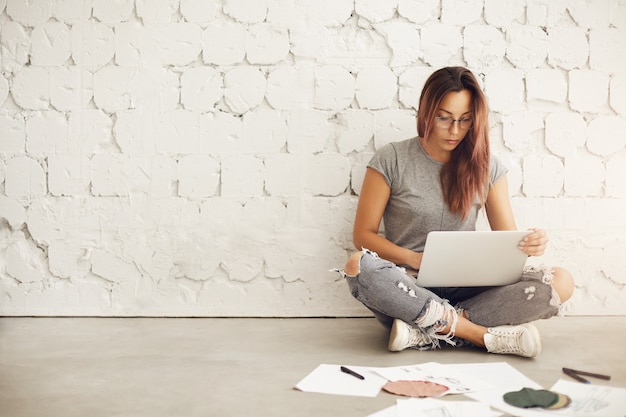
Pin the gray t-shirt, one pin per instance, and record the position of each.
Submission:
(416, 204)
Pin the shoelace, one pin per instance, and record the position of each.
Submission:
(507, 343)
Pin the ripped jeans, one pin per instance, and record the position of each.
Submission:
(390, 294)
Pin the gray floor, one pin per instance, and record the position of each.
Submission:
(241, 367)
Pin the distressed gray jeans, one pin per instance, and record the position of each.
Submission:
(390, 293)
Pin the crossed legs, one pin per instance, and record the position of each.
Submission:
(376, 283)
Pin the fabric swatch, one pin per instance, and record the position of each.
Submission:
(419, 389)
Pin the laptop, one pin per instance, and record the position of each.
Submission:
(472, 259)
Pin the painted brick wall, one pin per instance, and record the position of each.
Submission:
(204, 157)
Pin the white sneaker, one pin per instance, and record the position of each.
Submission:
(403, 336)
(523, 340)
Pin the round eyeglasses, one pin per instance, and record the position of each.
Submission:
(448, 122)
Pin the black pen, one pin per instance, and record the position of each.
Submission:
(351, 372)
(574, 375)
(570, 371)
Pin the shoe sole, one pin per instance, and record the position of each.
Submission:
(393, 346)
(537, 337)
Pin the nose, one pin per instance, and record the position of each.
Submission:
(454, 127)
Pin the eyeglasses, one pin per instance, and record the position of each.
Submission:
(448, 122)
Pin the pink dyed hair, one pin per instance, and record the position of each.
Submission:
(465, 177)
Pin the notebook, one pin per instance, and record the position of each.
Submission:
(472, 259)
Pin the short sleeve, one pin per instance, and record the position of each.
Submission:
(496, 170)
(385, 161)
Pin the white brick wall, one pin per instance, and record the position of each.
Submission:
(204, 158)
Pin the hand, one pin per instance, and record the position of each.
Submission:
(415, 260)
(534, 243)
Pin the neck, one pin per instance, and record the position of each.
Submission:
(442, 157)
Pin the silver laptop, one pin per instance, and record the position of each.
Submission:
(472, 259)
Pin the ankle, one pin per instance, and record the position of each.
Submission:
(471, 332)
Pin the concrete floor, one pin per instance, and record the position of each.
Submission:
(95, 367)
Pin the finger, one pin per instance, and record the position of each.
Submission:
(534, 250)
(537, 237)
(536, 233)
(538, 242)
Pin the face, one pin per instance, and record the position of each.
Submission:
(456, 105)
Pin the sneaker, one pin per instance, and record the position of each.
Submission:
(404, 336)
(523, 340)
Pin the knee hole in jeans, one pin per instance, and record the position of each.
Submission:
(353, 264)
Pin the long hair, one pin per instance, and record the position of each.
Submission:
(465, 177)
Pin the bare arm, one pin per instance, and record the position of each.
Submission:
(500, 216)
(372, 202)
(498, 207)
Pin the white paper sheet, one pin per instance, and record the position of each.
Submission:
(590, 400)
(455, 379)
(587, 400)
(328, 379)
(429, 407)
(507, 379)
(460, 379)
(499, 374)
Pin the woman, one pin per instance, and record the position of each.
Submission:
(439, 181)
